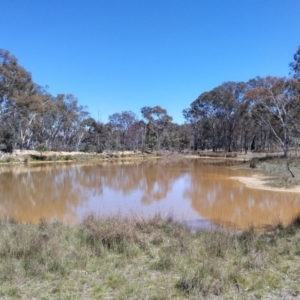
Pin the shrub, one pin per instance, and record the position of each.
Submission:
(41, 148)
(253, 163)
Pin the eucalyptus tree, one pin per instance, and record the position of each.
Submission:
(295, 65)
(180, 137)
(97, 136)
(185, 136)
(294, 86)
(194, 121)
(157, 128)
(64, 123)
(231, 106)
(71, 121)
(22, 103)
(276, 106)
(136, 135)
(202, 111)
(151, 138)
(122, 126)
(217, 113)
(15, 81)
(30, 116)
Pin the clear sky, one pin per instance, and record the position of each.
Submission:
(117, 55)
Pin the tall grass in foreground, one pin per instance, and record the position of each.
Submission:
(116, 258)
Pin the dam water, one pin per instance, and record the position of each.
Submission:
(197, 193)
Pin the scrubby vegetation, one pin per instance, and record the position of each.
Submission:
(117, 258)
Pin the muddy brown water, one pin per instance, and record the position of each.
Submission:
(201, 195)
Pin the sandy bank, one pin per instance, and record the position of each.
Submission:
(257, 182)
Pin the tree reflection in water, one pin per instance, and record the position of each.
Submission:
(227, 202)
(65, 191)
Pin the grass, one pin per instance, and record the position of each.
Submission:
(117, 258)
(84, 157)
(276, 170)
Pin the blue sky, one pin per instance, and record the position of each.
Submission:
(118, 55)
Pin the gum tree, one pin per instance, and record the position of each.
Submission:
(157, 128)
(217, 113)
(276, 106)
(295, 65)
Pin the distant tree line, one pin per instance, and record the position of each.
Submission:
(261, 114)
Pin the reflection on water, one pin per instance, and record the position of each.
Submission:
(189, 190)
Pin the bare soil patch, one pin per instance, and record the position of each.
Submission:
(257, 181)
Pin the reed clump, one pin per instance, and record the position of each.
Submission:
(137, 258)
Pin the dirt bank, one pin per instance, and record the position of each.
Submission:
(257, 181)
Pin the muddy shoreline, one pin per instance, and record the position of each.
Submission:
(256, 181)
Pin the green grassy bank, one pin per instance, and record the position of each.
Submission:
(275, 170)
(146, 259)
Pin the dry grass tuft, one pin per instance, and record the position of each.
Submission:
(135, 258)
